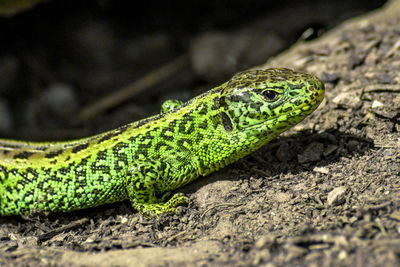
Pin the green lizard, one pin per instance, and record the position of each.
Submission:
(144, 160)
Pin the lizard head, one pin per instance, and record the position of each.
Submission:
(271, 100)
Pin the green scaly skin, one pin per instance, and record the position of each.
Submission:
(144, 160)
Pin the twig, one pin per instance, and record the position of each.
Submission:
(132, 89)
(369, 88)
(61, 229)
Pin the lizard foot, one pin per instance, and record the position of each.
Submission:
(156, 209)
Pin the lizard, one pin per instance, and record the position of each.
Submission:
(144, 160)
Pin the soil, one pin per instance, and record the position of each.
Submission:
(326, 193)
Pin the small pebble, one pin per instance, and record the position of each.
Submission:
(261, 242)
(123, 219)
(347, 99)
(376, 104)
(337, 196)
(342, 255)
(312, 153)
(322, 170)
(282, 197)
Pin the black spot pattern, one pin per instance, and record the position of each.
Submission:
(23, 155)
(80, 147)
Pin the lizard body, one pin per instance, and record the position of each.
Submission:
(144, 160)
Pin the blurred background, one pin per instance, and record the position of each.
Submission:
(69, 69)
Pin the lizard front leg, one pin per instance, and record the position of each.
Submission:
(150, 181)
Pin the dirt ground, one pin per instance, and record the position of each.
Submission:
(326, 193)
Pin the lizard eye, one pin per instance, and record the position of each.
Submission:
(270, 95)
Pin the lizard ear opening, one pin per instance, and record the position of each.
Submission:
(222, 101)
(226, 122)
